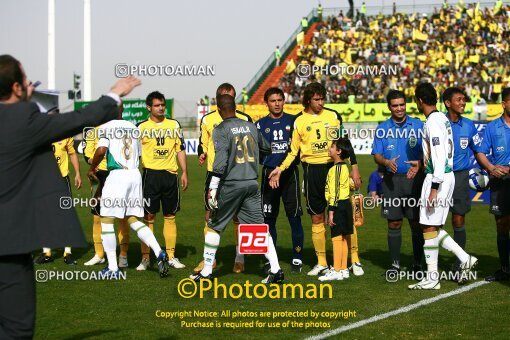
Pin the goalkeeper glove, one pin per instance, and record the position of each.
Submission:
(211, 199)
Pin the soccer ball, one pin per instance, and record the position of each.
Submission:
(478, 179)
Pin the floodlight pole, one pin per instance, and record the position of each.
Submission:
(51, 44)
(87, 55)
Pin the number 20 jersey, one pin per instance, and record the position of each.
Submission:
(160, 144)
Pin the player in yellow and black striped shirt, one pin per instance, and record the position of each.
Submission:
(206, 152)
(162, 148)
(311, 139)
(63, 151)
(91, 140)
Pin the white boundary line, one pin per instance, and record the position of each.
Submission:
(401, 310)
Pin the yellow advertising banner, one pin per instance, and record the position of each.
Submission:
(257, 111)
(349, 112)
(365, 113)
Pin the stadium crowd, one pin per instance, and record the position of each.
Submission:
(458, 45)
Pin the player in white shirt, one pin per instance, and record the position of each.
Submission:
(122, 194)
(437, 190)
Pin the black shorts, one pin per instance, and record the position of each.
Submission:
(315, 176)
(288, 191)
(500, 195)
(101, 175)
(344, 223)
(160, 188)
(461, 200)
(396, 187)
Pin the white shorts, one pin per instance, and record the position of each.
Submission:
(437, 215)
(122, 194)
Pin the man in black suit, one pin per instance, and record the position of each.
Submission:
(31, 188)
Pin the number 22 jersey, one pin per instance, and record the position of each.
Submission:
(278, 132)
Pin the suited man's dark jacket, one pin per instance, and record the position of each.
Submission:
(31, 184)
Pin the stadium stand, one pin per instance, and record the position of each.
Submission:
(458, 45)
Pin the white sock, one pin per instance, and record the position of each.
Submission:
(449, 244)
(146, 236)
(431, 251)
(67, 250)
(110, 245)
(212, 241)
(46, 250)
(239, 256)
(272, 256)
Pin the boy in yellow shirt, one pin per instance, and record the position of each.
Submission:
(339, 209)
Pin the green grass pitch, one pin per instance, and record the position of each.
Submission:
(127, 308)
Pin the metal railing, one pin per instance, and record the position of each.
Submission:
(270, 62)
(386, 7)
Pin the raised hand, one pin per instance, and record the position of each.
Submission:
(124, 86)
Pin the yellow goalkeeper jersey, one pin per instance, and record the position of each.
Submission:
(207, 125)
(160, 144)
(62, 150)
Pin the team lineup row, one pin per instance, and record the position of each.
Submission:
(414, 167)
